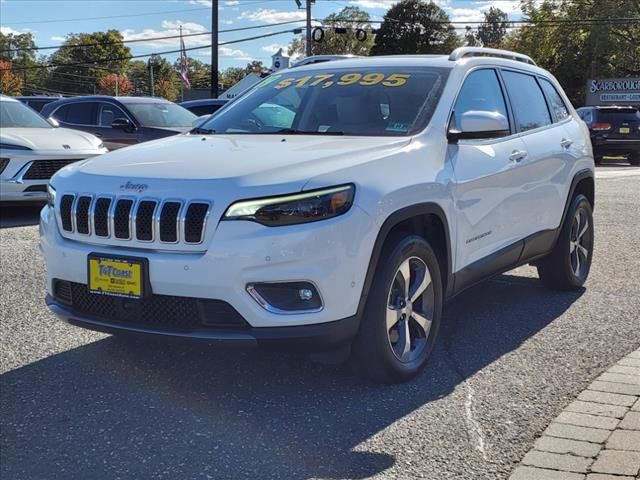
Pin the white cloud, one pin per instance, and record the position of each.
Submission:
(374, 3)
(232, 2)
(274, 47)
(227, 52)
(466, 15)
(11, 31)
(206, 3)
(271, 16)
(58, 38)
(226, 22)
(169, 28)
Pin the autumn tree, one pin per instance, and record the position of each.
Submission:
(10, 83)
(19, 49)
(167, 89)
(340, 37)
(113, 84)
(415, 26)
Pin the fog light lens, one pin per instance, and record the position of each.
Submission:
(305, 294)
(286, 297)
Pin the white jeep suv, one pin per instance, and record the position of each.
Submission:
(335, 206)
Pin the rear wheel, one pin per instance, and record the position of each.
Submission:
(634, 159)
(597, 159)
(567, 266)
(403, 311)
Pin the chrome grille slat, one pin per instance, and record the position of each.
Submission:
(127, 218)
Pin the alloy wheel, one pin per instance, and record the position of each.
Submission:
(579, 244)
(410, 307)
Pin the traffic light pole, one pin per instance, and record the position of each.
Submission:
(308, 28)
(214, 49)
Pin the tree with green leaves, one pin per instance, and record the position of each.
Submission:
(575, 41)
(340, 37)
(84, 58)
(199, 72)
(415, 26)
(492, 31)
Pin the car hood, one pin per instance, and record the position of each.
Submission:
(241, 160)
(50, 139)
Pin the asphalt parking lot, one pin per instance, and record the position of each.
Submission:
(76, 404)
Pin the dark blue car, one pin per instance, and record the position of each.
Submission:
(204, 106)
(121, 121)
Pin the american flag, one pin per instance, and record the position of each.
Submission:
(184, 63)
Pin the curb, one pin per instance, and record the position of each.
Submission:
(596, 437)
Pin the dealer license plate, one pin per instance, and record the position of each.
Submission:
(120, 277)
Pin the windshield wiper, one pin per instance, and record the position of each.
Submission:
(293, 131)
(202, 131)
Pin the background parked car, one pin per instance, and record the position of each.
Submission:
(614, 131)
(121, 121)
(31, 151)
(38, 102)
(204, 106)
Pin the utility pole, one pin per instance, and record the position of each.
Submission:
(116, 84)
(308, 36)
(152, 60)
(214, 49)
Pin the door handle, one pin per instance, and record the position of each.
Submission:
(566, 142)
(518, 155)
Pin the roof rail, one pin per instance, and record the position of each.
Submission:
(464, 52)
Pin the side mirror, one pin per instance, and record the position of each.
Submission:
(53, 122)
(200, 120)
(123, 124)
(478, 124)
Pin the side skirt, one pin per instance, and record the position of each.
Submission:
(523, 251)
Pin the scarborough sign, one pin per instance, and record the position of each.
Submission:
(610, 91)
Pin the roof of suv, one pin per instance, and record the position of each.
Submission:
(124, 100)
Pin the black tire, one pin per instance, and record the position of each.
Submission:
(374, 352)
(634, 159)
(567, 266)
(597, 159)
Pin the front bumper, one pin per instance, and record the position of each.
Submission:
(333, 255)
(305, 337)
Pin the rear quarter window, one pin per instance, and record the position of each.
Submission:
(556, 104)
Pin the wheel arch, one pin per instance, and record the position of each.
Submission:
(425, 219)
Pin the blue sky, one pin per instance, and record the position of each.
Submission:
(50, 21)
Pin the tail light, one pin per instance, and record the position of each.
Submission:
(600, 127)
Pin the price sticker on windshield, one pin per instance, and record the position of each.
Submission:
(327, 80)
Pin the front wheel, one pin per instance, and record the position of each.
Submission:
(403, 311)
(567, 266)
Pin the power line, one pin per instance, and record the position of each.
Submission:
(148, 39)
(130, 57)
(61, 20)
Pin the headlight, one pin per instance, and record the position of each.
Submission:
(51, 195)
(293, 209)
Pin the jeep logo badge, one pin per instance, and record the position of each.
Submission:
(136, 187)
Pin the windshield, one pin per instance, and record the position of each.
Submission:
(18, 115)
(161, 114)
(357, 101)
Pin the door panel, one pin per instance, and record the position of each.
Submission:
(485, 190)
(113, 138)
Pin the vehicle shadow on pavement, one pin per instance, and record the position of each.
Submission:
(19, 216)
(125, 409)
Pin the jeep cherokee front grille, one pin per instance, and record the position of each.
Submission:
(126, 218)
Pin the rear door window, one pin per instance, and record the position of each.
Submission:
(528, 102)
(82, 113)
(556, 104)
